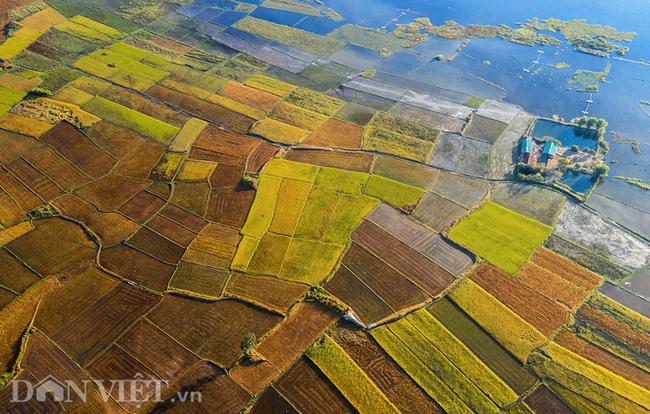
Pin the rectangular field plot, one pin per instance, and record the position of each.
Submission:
(309, 390)
(538, 310)
(482, 345)
(393, 143)
(223, 325)
(101, 323)
(296, 333)
(501, 236)
(350, 380)
(351, 161)
(584, 228)
(395, 384)
(267, 291)
(531, 201)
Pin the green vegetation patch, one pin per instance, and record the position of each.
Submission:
(10, 97)
(111, 19)
(19, 41)
(296, 116)
(463, 358)
(346, 375)
(393, 192)
(300, 39)
(270, 85)
(194, 77)
(316, 214)
(402, 126)
(586, 80)
(288, 169)
(393, 143)
(515, 334)
(340, 180)
(346, 215)
(440, 365)
(407, 172)
(314, 101)
(54, 80)
(130, 119)
(501, 236)
(277, 131)
(310, 261)
(417, 370)
(261, 213)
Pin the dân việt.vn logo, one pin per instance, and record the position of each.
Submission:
(138, 390)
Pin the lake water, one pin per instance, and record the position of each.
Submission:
(578, 182)
(542, 93)
(567, 134)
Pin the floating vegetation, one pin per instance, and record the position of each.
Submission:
(474, 101)
(525, 36)
(317, 9)
(635, 182)
(619, 139)
(562, 65)
(587, 80)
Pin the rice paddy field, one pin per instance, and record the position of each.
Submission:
(253, 207)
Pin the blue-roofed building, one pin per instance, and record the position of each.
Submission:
(550, 149)
(526, 146)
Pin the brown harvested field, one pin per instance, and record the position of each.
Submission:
(147, 343)
(387, 375)
(484, 346)
(350, 161)
(249, 96)
(134, 265)
(10, 212)
(225, 142)
(230, 206)
(79, 292)
(156, 245)
(542, 313)
(268, 291)
(262, 154)
(104, 321)
(13, 274)
(202, 109)
(16, 317)
(225, 175)
(14, 145)
(141, 160)
(168, 43)
(171, 230)
(543, 401)
(212, 330)
(117, 364)
(142, 206)
(604, 358)
(80, 150)
(115, 140)
(297, 332)
(8, 402)
(437, 212)
(309, 390)
(566, 269)
(23, 196)
(367, 306)
(202, 154)
(407, 172)
(219, 393)
(551, 285)
(637, 341)
(223, 234)
(48, 161)
(35, 180)
(43, 358)
(183, 217)
(271, 402)
(334, 133)
(199, 279)
(6, 297)
(145, 106)
(36, 247)
(394, 289)
(111, 228)
(254, 375)
(431, 245)
(112, 192)
(427, 275)
(209, 252)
